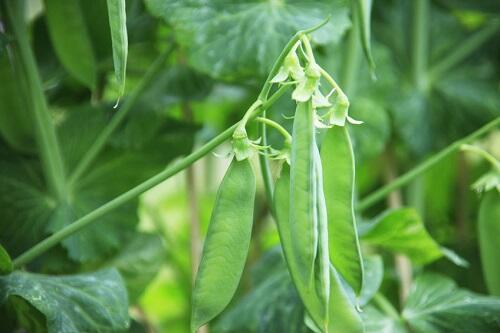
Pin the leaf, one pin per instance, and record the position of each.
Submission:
(119, 39)
(435, 304)
(489, 239)
(5, 261)
(94, 302)
(338, 165)
(272, 305)
(402, 231)
(363, 12)
(139, 262)
(66, 25)
(378, 322)
(241, 39)
(15, 123)
(373, 276)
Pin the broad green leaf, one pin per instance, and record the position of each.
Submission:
(94, 302)
(240, 39)
(5, 261)
(226, 246)
(119, 38)
(15, 123)
(71, 39)
(376, 321)
(363, 11)
(272, 305)
(139, 262)
(29, 213)
(402, 231)
(338, 172)
(372, 278)
(437, 305)
(489, 239)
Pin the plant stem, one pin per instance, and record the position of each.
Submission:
(464, 49)
(278, 127)
(265, 167)
(84, 221)
(404, 179)
(117, 119)
(386, 306)
(484, 154)
(48, 147)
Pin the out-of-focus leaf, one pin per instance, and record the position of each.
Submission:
(242, 39)
(373, 275)
(436, 304)
(402, 231)
(119, 38)
(273, 304)
(66, 24)
(15, 123)
(5, 261)
(95, 302)
(139, 262)
(489, 239)
(378, 322)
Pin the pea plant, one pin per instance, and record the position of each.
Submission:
(86, 132)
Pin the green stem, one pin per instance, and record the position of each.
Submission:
(423, 167)
(487, 156)
(48, 146)
(265, 168)
(464, 49)
(278, 127)
(117, 119)
(420, 39)
(277, 64)
(386, 306)
(84, 221)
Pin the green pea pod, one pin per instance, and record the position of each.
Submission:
(338, 173)
(119, 40)
(71, 40)
(226, 245)
(313, 304)
(303, 230)
(5, 261)
(489, 239)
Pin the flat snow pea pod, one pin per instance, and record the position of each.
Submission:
(66, 25)
(119, 39)
(338, 175)
(343, 316)
(226, 245)
(314, 305)
(489, 239)
(302, 197)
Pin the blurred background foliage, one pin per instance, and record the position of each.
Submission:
(429, 88)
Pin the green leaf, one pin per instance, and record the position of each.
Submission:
(139, 262)
(373, 276)
(402, 231)
(5, 261)
(240, 39)
(363, 11)
(15, 124)
(119, 38)
(95, 302)
(489, 239)
(66, 26)
(436, 304)
(377, 322)
(338, 165)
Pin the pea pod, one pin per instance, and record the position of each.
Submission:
(313, 304)
(338, 166)
(119, 40)
(226, 245)
(302, 198)
(489, 239)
